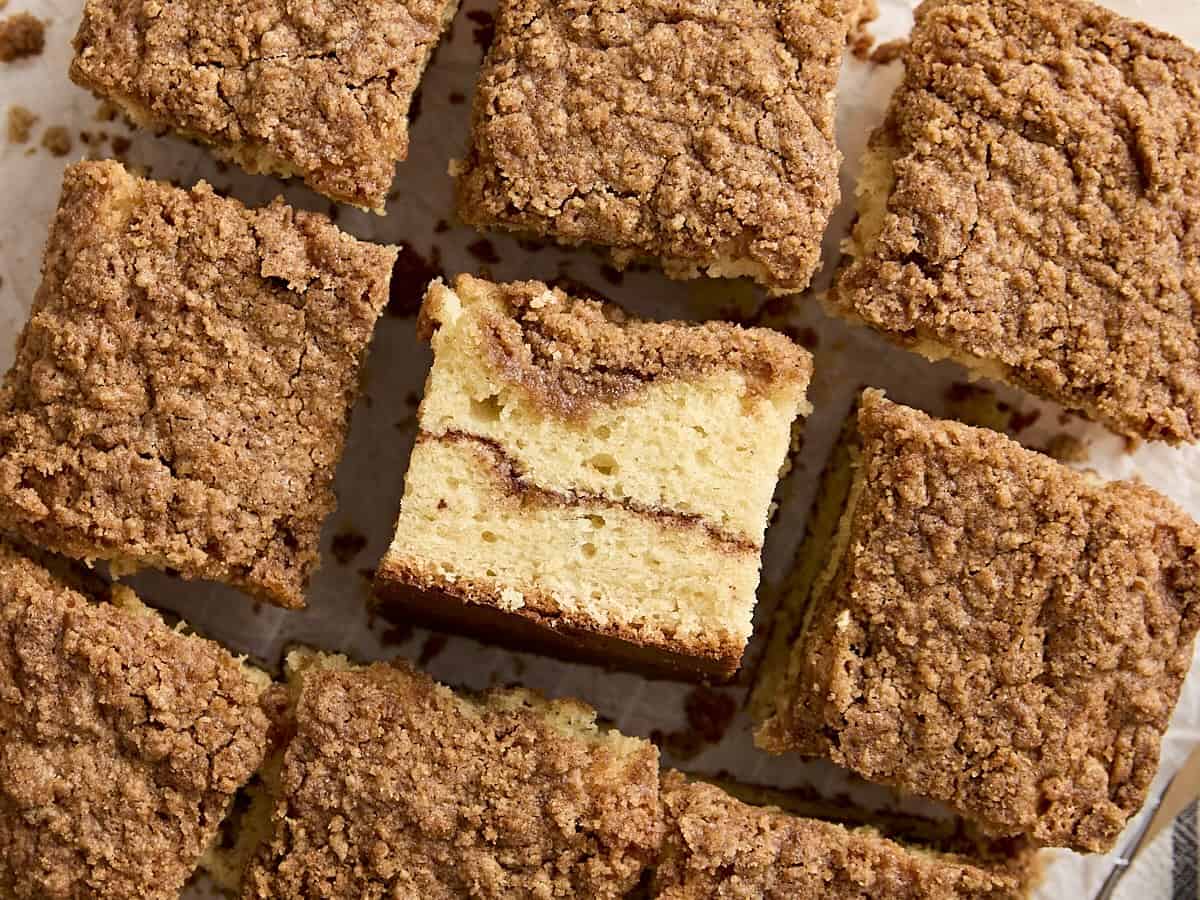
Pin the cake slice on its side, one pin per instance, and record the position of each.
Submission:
(122, 741)
(989, 629)
(589, 483)
(393, 786)
(716, 846)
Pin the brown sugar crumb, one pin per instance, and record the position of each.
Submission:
(699, 136)
(394, 787)
(1067, 448)
(347, 545)
(120, 146)
(181, 392)
(709, 712)
(717, 846)
(1026, 209)
(20, 124)
(889, 51)
(122, 740)
(999, 632)
(320, 91)
(57, 140)
(21, 35)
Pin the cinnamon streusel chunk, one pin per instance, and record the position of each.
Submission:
(699, 134)
(181, 392)
(718, 846)
(318, 90)
(394, 786)
(1028, 209)
(122, 741)
(991, 630)
(592, 484)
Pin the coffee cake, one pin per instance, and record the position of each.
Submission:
(319, 91)
(394, 786)
(1026, 209)
(718, 846)
(122, 741)
(991, 630)
(180, 394)
(697, 134)
(590, 483)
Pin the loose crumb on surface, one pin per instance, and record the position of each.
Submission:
(21, 35)
(20, 124)
(889, 51)
(57, 140)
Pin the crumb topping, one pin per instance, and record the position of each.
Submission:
(571, 353)
(1005, 635)
(698, 133)
(395, 787)
(322, 87)
(121, 743)
(181, 391)
(21, 35)
(1047, 175)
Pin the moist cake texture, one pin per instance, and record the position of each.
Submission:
(1027, 209)
(717, 846)
(698, 134)
(393, 786)
(181, 392)
(994, 631)
(587, 474)
(317, 90)
(122, 741)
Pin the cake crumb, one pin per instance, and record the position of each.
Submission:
(347, 545)
(709, 713)
(21, 35)
(57, 140)
(20, 124)
(889, 51)
(1067, 448)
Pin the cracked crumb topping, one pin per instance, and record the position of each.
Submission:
(1042, 182)
(320, 89)
(121, 743)
(1004, 634)
(181, 391)
(698, 133)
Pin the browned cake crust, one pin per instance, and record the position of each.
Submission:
(1047, 177)
(181, 391)
(1004, 635)
(391, 788)
(121, 743)
(575, 353)
(697, 133)
(321, 89)
(716, 846)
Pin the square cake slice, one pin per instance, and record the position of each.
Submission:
(181, 392)
(718, 846)
(697, 134)
(990, 629)
(394, 786)
(1029, 209)
(319, 91)
(590, 483)
(122, 741)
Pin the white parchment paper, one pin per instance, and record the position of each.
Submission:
(370, 480)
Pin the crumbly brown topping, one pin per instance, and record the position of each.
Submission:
(21, 35)
(181, 391)
(699, 133)
(121, 743)
(57, 140)
(1005, 635)
(571, 353)
(322, 87)
(1047, 171)
(393, 789)
(717, 846)
(20, 124)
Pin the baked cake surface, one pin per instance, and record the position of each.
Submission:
(1027, 209)
(394, 786)
(317, 90)
(594, 475)
(700, 134)
(181, 391)
(992, 630)
(717, 846)
(122, 742)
